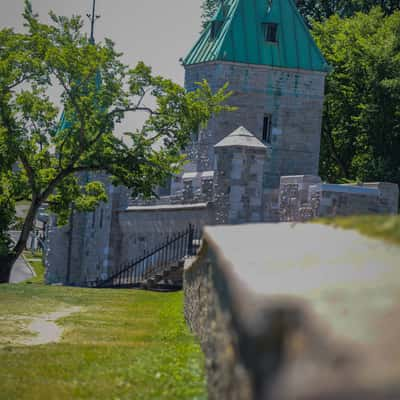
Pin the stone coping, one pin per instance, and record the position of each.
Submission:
(198, 174)
(165, 207)
(297, 259)
(339, 295)
(330, 187)
(258, 66)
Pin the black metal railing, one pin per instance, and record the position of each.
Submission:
(174, 249)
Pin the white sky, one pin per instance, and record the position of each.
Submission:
(158, 32)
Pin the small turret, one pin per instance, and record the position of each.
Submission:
(238, 179)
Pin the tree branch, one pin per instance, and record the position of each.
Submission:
(76, 107)
(18, 82)
(30, 173)
(132, 109)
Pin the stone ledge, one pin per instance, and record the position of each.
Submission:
(330, 187)
(165, 207)
(299, 312)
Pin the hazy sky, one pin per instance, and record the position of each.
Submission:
(158, 32)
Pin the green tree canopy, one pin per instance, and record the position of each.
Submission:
(40, 162)
(319, 10)
(361, 124)
(208, 7)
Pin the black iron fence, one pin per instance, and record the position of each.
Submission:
(174, 249)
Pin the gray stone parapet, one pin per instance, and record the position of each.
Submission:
(303, 197)
(282, 313)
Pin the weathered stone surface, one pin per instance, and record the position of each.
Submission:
(241, 137)
(238, 178)
(83, 250)
(303, 197)
(141, 229)
(293, 98)
(296, 312)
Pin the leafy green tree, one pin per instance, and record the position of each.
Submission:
(361, 122)
(41, 161)
(319, 10)
(208, 7)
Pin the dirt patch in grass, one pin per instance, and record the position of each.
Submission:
(45, 328)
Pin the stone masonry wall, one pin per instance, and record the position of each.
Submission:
(56, 256)
(141, 228)
(294, 100)
(372, 198)
(238, 185)
(270, 205)
(81, 252)
(209, 316)
(304, 197)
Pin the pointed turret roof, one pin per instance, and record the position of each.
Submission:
(241, 137)
(237, 34)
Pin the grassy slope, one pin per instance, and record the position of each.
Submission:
(125, 344)
(380, 226)
(35, 261)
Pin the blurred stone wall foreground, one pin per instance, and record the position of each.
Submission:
(296, 312)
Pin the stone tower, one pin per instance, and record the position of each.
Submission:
(276, 71)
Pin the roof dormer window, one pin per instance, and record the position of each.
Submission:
(269, 6)
(271, 32)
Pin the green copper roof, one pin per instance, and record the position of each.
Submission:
(241, 37)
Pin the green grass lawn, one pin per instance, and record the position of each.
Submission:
(34, 260)
(385, 227)
(124, 344)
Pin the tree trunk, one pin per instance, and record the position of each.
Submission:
(8, 261)
(6, 264)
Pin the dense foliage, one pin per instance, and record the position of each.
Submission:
(208, 7)
(319, 10)
(361, 124)
(40, 160)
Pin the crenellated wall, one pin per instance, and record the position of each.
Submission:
(304, 197)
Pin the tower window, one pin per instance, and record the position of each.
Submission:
(266, 135)
(101, 218)
(93, 219)
(271, 32)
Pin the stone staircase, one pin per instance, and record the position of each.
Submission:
(171, 278)
(159, 269)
